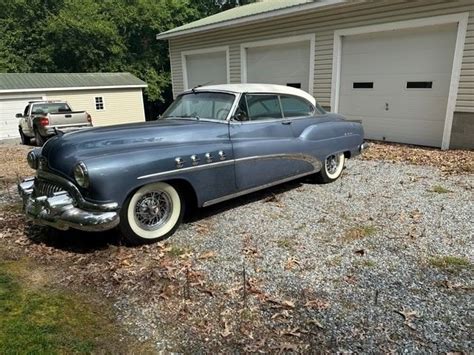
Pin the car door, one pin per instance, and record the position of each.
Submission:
(264, 145)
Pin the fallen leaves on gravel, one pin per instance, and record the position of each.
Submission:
(448, 161)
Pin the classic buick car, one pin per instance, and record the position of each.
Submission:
(212, 144)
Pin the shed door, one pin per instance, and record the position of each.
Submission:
(397, 83)
(283, 64)
(8, 122)
(206, 69)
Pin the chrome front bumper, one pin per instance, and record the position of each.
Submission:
(59, 211)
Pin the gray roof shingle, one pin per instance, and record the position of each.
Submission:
(37, 81)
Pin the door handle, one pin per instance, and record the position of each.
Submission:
(286, 122)
(386, 106)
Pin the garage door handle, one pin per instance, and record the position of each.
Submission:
(286, 122)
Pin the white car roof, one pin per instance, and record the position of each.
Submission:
(258, 88)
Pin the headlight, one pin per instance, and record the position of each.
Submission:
(32, 159)
(81, 175)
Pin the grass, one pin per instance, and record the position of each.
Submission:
(286, 244)
(449, 262)
(440, 189)
(359, 232)
(177, 251)
(36, 318)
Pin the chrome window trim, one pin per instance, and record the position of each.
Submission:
(273, 120)
(296, 156)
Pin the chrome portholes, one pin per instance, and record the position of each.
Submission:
(221, 155)
(208, 157)
(179, 162)
(194, 159)
(153, 210)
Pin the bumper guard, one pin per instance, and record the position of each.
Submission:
(59, 211)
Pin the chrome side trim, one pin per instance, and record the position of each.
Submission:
(309, 159)
(254, 189)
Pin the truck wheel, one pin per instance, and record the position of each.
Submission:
(24, 139)
(40, 140)
(152, 213)
(332, 169)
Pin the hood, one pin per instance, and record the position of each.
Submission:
(63, 152)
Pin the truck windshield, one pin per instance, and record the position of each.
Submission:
(56, 107)
(206, 105)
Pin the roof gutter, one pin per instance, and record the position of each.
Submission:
(12, 91)
(259, 17)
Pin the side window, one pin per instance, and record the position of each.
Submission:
(296, 107)
(27, 108)
(262, 107)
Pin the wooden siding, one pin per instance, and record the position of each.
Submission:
(323, 24)
(121, 105)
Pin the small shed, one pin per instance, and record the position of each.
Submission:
(110, 98)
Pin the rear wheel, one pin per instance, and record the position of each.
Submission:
(24, 139)
(152, 213)
(332, 168)
(40, 140)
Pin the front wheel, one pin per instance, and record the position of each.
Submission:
(332, 169)
(152, 213)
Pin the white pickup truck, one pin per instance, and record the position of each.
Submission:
(43, 119)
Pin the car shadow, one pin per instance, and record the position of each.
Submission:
(89, 242)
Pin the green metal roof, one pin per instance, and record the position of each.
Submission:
(261, 8)
(14, 82)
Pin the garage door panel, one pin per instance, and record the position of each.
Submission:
(390, 60)
(8, 122)
(208, 68)
(281, 64)
(400, 130)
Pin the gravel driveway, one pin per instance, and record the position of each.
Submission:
(381, 260)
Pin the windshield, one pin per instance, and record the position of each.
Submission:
(207, 105)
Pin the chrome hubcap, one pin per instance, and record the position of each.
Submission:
(332, 163)
(153, 210)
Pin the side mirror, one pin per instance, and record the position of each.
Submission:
(19, 115)
(240, 116)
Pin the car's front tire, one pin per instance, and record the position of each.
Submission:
(151, 214)
(332, 168)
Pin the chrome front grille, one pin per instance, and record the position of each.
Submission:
(46, 188)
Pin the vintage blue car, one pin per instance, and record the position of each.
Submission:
(212, 144)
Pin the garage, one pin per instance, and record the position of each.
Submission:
(8, 109)
(205, 67)
(397, 82)
(286, 63)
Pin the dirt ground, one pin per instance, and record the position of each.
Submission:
(379, 261)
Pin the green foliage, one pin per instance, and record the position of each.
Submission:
(43, 321)
(97, 36)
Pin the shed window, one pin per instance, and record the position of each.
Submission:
(99, 103)
(363, 85)
(419, 85)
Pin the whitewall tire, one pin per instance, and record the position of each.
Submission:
(152, 213)
(332, 168)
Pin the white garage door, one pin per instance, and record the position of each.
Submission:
(397, 83)
(8, 122)
(206, 69)
(284, 64)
